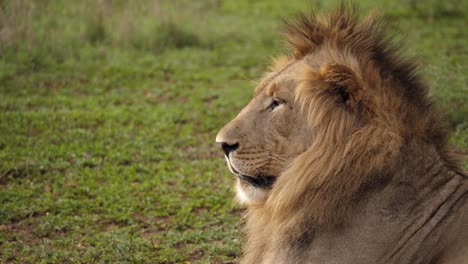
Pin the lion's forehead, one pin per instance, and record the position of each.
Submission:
(287, 73)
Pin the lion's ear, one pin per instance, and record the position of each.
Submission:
(323, 88)
(342, 82)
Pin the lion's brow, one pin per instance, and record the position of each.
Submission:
(270, 79)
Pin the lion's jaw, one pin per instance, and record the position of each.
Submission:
(245, 192)
(260, 143)
(250, 195)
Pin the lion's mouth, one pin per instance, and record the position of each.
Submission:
(261, 181)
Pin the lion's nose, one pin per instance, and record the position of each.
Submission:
(228, 148)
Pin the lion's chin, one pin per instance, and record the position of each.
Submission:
(249, 195)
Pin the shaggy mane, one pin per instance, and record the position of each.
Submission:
(378, 56)
(367, 40)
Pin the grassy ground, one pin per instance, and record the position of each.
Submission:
(108, 113)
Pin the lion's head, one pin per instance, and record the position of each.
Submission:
(343, 99)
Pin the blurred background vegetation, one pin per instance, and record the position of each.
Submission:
(109, 109)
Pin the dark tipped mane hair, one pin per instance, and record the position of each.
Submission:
(369, 42)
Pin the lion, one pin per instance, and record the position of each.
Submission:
(341, 156)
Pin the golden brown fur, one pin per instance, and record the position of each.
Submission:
(362, 129)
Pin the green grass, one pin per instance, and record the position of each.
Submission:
(108, 114)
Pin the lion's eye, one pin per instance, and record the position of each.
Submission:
(274, 104)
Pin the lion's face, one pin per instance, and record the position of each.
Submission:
(266, 135)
